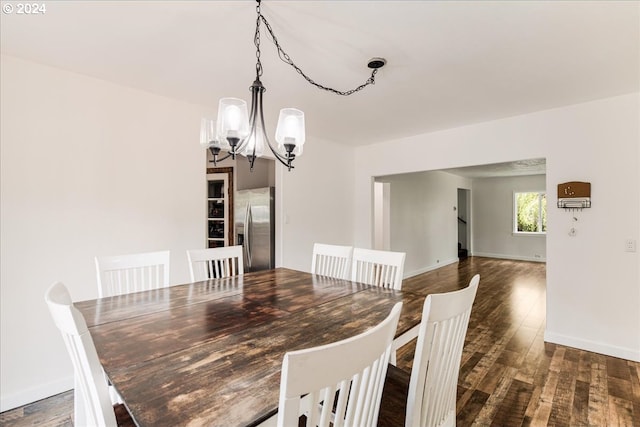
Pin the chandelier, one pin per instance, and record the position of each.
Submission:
(242, 131)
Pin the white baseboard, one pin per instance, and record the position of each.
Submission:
(506, 256)
(33, 394)
(429, 268)
(593, 346)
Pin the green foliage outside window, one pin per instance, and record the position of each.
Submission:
(531, 212)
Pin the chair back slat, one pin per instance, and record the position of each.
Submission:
(331, 260)
(347, 375)
(378, 268)
(93, 404)
(436, 365)
(124, 274)
(213, 263)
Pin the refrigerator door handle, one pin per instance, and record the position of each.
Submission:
(247, 234)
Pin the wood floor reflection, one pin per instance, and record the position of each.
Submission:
(509, 376)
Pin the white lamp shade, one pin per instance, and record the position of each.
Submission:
(205, 135)
(208, 134)
(290, 129)
(233, 119)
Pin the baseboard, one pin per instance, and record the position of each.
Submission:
(593, 346)
(505, 256)
(429, 268)
(33, 394)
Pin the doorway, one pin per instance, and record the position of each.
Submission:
(464, 223)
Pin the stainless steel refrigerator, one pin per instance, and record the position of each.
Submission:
(254, 212)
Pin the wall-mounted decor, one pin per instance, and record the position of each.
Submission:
(574, 195)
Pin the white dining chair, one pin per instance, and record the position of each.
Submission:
(331, 260)
(339, 383)
(213, 263)
(92, 404)
(378, 268)
(123, 274)
(430, 390)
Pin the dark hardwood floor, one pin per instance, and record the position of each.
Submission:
(508, 377)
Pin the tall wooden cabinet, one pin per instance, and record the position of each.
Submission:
(219, 207)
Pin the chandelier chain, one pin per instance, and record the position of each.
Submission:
(287, 59)
(256, 41)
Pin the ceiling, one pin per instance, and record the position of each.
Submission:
(449, 63)
(515, 168)
(492, 170)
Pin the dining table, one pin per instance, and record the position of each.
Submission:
(209, 353)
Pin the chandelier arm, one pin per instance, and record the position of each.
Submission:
(217, 159)
(287, 59)
(284, 160)
(255, 94)
(254, 88)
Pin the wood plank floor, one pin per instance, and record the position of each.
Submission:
(509, 376)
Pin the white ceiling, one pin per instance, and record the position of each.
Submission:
(449, 63)
(515, 168)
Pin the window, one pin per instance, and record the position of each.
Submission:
(530, 212)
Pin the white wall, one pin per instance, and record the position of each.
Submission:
(262, 175)
(92, 168)
(317, 198)
(382, 216)
(493, 219)
(423, 221)
(88, 168)
(593, 285)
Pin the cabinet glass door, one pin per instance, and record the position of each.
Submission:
(217, 210)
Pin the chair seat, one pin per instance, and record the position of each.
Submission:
(393, 408)
(123, 418)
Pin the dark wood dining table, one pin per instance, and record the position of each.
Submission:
(210, 353)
